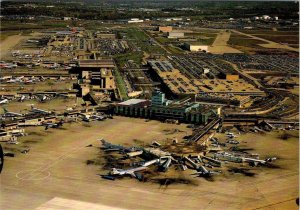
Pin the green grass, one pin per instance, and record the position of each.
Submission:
(121, 59)
(18, 25)
(175, 50)
(138, 38)
(162, 40)
(208, 41)
(245, 42)
(121, 85)
(5, 34)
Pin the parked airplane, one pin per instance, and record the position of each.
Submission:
(114, 147)
(15, 80)
(230, 135)
(52, 125)
(42, 97)
(11, 114)
(202, 171)
(97, 117)
(22, 98)
(131, 172)
(40, 111)
(231, 141)
(4, 101)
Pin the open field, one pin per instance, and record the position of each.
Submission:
(9, 43)
(220, 46)
(290, 38)
(141, 40)
(5, 34)
(55, 168)
(270, 43)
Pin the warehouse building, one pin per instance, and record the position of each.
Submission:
(165, 29)
(175, 35)
(195, 47)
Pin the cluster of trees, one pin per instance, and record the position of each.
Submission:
(124, 10)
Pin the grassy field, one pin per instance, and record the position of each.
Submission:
(121, 59)
(282, 39)
(5, 34)
(139, 38)
(121, 85)
(162, 40)
(18, 25)
(269, 32)
(245, 42)
(175, 50)
(285, 37)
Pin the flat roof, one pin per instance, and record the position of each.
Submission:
(132, 102)
(105, 63)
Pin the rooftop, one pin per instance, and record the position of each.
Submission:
(132, 102)
(101, 63)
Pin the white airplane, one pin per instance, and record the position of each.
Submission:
(131, 172)
(230, 135)
(4, 101)
(22, 98)
(255, 162)
(40, 111)
(151, 162)
(18, 79)
(42, 97)
(97, 117)
(11, 114)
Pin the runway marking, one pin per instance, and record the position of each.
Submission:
(273, 204)
(34, 172)
(43, 175)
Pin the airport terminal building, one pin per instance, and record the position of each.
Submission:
(162, 109)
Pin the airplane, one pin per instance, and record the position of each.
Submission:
(97, 117)
(52, 125)
(12, 141)
(231, 141)
(39, 111)
(11, 114)
(42, 98)
(230, 135)
(131, 172)
(22, 98)
(113, 147)
(4, 101)
(15, 80)
(203, 172)
(255, 162)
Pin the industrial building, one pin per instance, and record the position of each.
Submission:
(194, 47)
(161, 108)
(105, 35)
(175, 35)
(96, 76)
(165, 29)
